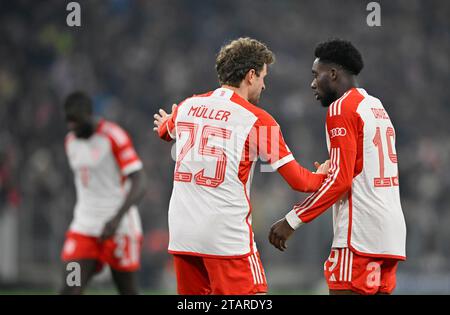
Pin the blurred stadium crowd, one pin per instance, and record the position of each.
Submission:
(134, 57)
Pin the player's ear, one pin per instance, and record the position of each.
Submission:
(250, 76)
(333, 74)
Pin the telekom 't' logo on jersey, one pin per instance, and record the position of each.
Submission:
(338, 132)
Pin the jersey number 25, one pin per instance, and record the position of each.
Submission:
(203, 150)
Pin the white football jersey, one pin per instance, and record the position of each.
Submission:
(100, 165)
(363, 184)
(218, 137)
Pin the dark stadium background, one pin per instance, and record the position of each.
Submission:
(136, 56)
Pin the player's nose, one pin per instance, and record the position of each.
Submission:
(313, 84)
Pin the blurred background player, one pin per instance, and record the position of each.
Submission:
(219, 134)
(109, 180)
(362, 186)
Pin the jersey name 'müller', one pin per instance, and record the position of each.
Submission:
(218, 136)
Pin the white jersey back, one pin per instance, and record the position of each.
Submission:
(362, 184)
(100, 165)
(370, 219)
(210, 211)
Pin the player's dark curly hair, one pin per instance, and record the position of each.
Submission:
(236, 58)
(79, 100)
(340, 52)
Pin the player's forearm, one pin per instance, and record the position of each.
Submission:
(299, 178)
(311, 208)
(137, 190)
(338, 182)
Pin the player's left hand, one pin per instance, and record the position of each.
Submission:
(162, 117)
(110, 229)
(280, 233)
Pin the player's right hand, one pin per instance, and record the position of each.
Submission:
(110, 228)
(162, 117)
(322, 168)
(279, 233)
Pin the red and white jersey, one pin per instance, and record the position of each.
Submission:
(100, 165)
(362, 184)
(218, 135)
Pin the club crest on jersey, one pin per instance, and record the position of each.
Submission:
(338, 132)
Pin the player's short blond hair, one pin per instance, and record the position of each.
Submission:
(238, 57)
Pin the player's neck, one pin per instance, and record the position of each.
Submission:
(241, 91)
(348, 84)
(91, 128)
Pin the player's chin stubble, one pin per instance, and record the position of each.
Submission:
(328, 98)
(256, 99)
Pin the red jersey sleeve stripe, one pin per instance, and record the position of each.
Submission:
(335, 107)
(327, 185)
(308, 200)
(339, 105)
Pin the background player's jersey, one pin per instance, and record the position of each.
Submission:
(363, 180)
(218, 137)
(100, 165)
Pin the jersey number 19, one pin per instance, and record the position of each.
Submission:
(384, 181)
